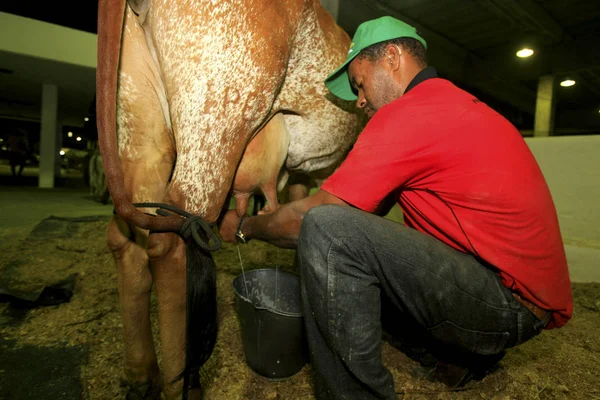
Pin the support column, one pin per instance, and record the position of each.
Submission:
(59, 141)
(333, 6)
(544, 107)
(48, 150)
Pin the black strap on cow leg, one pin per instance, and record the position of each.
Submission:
(194, 225)
(201, 298)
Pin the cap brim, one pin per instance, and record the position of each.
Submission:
(338, 82)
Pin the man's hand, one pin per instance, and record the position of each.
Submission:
(280, 227)
(228, 226)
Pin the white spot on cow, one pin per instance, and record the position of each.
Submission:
(125, 120)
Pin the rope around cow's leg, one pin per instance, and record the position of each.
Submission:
(193, 226)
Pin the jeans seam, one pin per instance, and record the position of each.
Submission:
(500, 286)
(331, 326)
(519, 328)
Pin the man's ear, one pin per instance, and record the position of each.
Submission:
(392, 56)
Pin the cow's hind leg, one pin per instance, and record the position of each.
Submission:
(147, 181)
(141, 373)
(168, 258)
(147, 155)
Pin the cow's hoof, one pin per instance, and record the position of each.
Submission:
(195, 394)
(141, 391)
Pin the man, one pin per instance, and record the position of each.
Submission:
(17, 146)
(480, 265)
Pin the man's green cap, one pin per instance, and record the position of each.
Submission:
(368, 33)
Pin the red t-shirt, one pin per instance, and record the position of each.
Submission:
(440, 150)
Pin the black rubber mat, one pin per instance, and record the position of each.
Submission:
(31, 372)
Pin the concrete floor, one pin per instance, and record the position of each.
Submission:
(24, 205)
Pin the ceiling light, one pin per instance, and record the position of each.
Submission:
(86, 119)
(567, 83)
(525, 52)
(70, 134)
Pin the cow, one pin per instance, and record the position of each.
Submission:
(198, 101)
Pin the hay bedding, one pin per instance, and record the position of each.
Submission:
(562, 363)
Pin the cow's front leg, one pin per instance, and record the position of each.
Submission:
(134, 284)
(168, 259)
(299, 186)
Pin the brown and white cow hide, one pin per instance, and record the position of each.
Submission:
(200, 100)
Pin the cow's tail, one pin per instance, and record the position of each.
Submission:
(201, 317)
(200, 268)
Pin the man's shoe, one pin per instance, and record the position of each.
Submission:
(453, 376)
(456, 376)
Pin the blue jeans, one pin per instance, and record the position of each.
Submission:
(354, 265)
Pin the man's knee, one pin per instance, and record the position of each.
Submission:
(320, 222)
(317, 231)
(324, 218)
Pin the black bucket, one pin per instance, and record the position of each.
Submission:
(269, 307)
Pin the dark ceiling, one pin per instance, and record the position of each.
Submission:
(471, 42)
(81, 15)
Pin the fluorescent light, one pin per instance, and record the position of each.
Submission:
(525, 52)
(567, 83)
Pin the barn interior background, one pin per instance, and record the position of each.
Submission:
(47, 91)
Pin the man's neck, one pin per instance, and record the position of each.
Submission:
(422, 75)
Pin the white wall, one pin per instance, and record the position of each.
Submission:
(571, 166)
(44, 40)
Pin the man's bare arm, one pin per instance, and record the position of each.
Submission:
(282, 227)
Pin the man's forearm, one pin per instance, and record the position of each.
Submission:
(282, 227)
